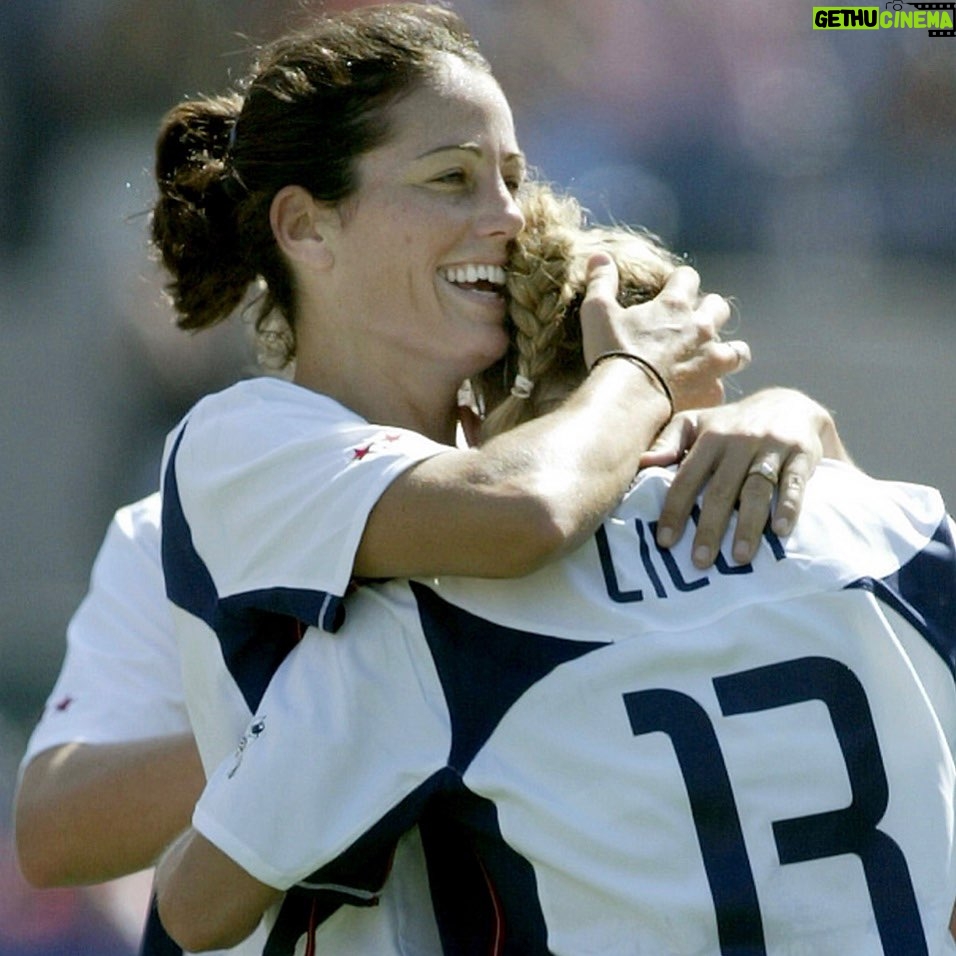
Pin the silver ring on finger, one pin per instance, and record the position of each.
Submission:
(765, 469)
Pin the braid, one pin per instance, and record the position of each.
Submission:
(546, 284)
(538, 299)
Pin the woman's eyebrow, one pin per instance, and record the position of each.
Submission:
(474, 148)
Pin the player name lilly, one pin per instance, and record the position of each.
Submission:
(666, 572)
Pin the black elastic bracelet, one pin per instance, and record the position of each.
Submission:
(643, 364)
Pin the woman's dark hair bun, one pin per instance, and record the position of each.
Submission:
(194, 219)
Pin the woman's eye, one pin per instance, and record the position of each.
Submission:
(454, 177)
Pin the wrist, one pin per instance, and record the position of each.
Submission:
(650, 371)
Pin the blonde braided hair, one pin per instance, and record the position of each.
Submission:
(546, 283)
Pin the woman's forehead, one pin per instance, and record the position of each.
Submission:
(459, 106)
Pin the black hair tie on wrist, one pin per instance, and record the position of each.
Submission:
(643, 364)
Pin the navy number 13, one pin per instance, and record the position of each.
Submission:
(850, 830)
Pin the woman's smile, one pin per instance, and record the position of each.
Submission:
(483, 284)
(436, 210)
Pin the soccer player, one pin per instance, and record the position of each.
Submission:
(639, 755)
(233, 211)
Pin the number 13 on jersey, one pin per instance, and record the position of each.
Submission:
(853, 829)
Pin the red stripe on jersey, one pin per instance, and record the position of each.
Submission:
(498, 935)
(313, 925)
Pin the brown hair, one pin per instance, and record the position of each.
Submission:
(315, 102)
(546, 283)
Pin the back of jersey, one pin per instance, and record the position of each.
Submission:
(758, 759)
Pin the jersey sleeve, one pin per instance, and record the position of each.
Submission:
(120, 678)
(363, 706)
(642, 767)
(267, 490)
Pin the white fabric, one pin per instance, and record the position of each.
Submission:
(120, 680)
(120, 677)
(275, 484)
(597, 803)
(845, 530)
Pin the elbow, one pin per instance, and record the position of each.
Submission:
(39, 874)
(204, 900)
(38, 870)
(545, 531)
(194, 931)
(44, 830)
(192, 939)
(39, 850)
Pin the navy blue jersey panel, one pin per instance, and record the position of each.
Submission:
(485, 895)
(924, 591)
(485, 667)
(256, 629)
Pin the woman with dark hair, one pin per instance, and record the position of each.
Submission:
(363, 184)
(635, 756)
(369, 178)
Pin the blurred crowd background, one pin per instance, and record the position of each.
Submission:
(808, 173)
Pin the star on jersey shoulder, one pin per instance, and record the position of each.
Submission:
(373, 446)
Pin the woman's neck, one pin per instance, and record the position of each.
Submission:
(387, 396)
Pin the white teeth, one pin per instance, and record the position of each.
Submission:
(473, 273)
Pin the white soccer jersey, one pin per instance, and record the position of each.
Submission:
(120, 677)
(267, 488)
(643, 758)
(120, 680)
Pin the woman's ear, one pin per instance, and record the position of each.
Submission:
(301, 226)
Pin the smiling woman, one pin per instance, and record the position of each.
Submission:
(436, 203)
(368, 175)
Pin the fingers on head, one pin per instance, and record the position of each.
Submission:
(681, 291)
(729, 357)
(710, 314)
(602, 276)
(715, 309)
(682, 284)
(741, 352)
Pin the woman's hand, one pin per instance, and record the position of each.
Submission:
(758, 452)
(677, 332)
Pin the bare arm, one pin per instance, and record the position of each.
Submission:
(522, 499)
(206, 901)
(85, 813)
(529, 495)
